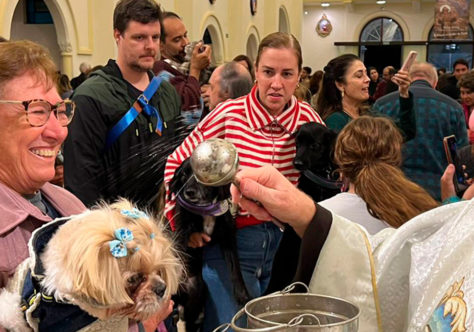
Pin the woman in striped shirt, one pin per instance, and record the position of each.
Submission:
(261, 126)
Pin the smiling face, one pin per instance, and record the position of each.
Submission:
(28, 153)
(356, 83)
(138, 46)
(277, 76)
(467, 96)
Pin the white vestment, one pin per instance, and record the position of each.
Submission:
(415, 278)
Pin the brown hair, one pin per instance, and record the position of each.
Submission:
(142, 11)
(467, 82)
(280, 40)
(330, 98)
(368, 153)
(20, 57)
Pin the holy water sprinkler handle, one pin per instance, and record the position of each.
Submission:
(278, 223)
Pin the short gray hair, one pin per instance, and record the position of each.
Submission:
(235, 80)
(424, 70)
(84, 67)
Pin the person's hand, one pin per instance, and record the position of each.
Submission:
(198, 240)
(151, 324)
(447, 185)
(402, 79)
(200, 60)
(278, 197)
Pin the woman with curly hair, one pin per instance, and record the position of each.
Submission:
(368, 153)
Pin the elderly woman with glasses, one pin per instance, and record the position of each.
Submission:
(33, 125)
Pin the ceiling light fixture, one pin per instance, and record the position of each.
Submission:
(325, 4)
(381, 2)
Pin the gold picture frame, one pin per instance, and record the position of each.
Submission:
(324, 26)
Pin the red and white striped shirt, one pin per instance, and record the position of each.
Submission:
(260, 139)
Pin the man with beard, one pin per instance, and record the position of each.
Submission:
(182, 67)
(108, 141)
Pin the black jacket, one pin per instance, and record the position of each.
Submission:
(91, 171)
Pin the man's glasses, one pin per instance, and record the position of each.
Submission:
(38, 111)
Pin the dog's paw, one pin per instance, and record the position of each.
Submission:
(11, 316)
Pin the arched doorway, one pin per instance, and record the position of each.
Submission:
(32, 20)
(283, 22)
(374, 37)
(212, 35)
(252, 47)
(63, 28)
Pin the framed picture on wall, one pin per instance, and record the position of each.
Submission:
(253, 7)
(324, 26)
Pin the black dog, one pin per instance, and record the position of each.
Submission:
(314, 158)
(206, 209)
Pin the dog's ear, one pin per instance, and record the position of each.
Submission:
(100, 280)
(182, 173)
(86, 269)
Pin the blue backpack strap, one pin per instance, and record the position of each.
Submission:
(141, 104)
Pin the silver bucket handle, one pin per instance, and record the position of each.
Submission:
(299, 319)
(241, 329)
(293, 322)
(290, 287)
(222, 328)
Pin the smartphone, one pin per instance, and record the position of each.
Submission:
(409, 61)
(450, 149)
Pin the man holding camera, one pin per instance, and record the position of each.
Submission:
(182, 69)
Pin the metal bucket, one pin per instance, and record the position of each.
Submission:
(298, 312)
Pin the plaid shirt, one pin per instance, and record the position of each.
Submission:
(437, 116)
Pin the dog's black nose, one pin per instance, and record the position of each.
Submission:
(159, 289)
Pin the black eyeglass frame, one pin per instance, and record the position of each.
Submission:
(52, 108)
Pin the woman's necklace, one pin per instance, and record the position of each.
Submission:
(350, 115)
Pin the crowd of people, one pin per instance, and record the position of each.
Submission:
(142, 115)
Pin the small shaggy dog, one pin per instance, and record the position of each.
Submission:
(205, 209)
(110, 263)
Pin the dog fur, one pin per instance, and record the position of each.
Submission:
(314, 152)
(221, 229)
(315, 145)
(79, 268)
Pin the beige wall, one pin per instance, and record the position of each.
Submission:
(415, 19)
(83, 29)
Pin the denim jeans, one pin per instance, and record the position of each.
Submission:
(256, 247)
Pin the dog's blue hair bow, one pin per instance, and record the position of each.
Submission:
(134, 213)
(118, 247)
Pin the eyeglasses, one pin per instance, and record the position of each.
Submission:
(38, 111)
